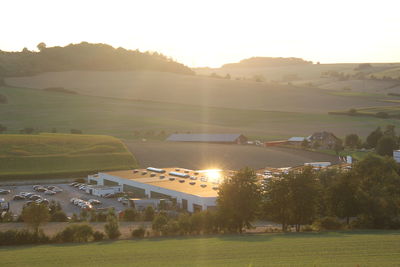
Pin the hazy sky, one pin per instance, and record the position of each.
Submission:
(211, 33)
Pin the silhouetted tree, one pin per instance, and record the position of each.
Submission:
(373, 137)
(239, 200)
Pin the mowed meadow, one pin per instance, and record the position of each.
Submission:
(353, 248)
(122, 117)
(53, 155)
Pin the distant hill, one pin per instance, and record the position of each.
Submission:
(84, 56)
(259, 62)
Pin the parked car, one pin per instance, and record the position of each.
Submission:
(72, 200)
(56, 189)
(28, 195)
(121, 199)
(94, 201)
(82, 187)
(18, 197)
(42, 201)
(35, 197)
(36, 187)
(41, 189)
(4, 191)
(49, 192)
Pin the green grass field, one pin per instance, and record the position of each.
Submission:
(364, 248)
(120, 118)
(55, 155)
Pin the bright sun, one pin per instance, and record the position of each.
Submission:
(213, 175)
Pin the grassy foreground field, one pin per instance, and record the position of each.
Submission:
(53, 155)
(369, 248)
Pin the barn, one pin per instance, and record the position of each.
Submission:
(209, 138)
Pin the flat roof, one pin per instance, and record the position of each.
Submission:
(175, 185)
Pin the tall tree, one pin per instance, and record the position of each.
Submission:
(35, 215)
(304, 195)
(378, 190)
(277, 202)
(373, 137)
(342, 197)
(292, 199)
(112, 226)
(239, 200)
(386, 145)
(352, 140)
(390, 130)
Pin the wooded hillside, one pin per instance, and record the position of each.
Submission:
(84, 56)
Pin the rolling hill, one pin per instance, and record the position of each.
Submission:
(60, 155)
(195, 90)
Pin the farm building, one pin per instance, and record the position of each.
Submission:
(323, 139)
(297, 140)
(209, 138)
(191, 190)
(276, 143)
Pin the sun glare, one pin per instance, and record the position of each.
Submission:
(213, 175)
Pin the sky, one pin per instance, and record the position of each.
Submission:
(211, 33)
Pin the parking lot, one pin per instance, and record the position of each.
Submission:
(62, 197)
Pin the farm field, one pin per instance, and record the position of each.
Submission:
(357, 248)
(53, 155)
(206, 156)
(197, 90)
(121, 118)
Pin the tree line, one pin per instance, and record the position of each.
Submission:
(84, 56)
(382, 141)
(366, 196)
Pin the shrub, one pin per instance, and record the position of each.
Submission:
(138, 232)
(307, 228)
(19, 152)
(98, 236)
(382, 115)
(171, 228)
(75, 233)
(76, 131)
(328, 223)
(22, 237)
(112, 226)
(159, 222)
(149, 213)
(130, 215)
(59, 216)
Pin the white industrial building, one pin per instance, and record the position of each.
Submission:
(192, 190)
(102, 190)
(396, 155)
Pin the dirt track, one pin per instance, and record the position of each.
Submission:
(199, 156)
